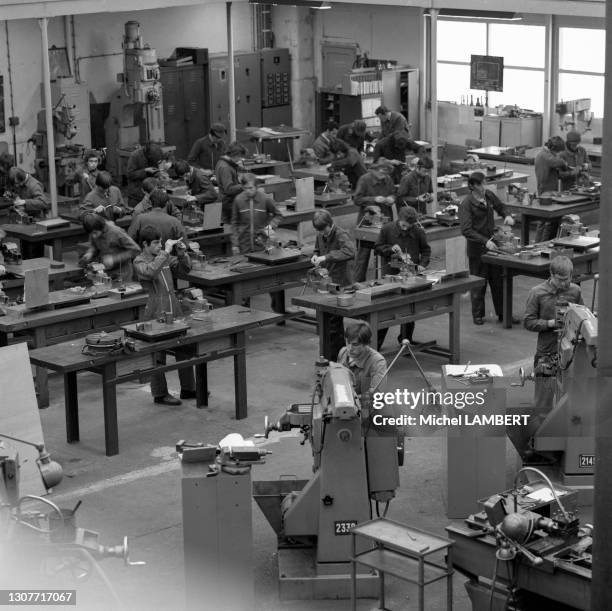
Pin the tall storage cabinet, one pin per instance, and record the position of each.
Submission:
(186, 112)
(400, 91)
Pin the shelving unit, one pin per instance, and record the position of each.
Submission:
(343, 108)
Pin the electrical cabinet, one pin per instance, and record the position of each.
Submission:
(337, 107)
(186, 113)
(400, 92)
(262, 83)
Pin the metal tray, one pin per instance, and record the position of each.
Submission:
(274, 257)
(158, 330)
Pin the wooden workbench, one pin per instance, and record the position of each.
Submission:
(585, 265)
(537, 212)
(13, 286)
(255, 280)
(385, 312)
(45, 327)
(221, 336)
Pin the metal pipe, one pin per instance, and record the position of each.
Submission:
(602, 551)
(231, 86)
(10, 75)
(433, 89)
(43, 23)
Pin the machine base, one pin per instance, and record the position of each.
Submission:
(300, 578)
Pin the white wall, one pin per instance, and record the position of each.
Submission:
(96, 34)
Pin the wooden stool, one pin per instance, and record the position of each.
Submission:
(399, 549)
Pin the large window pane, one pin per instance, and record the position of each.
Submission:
(576, 86)
(519, 45)
(582, 49)
(524, 88)
(458, 40)
(454, 82)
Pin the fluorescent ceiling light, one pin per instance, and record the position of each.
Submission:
(314, 4)
(485, 15)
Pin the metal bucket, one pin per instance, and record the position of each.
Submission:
(269, 495)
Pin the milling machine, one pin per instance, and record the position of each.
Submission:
(566, 433)
(136, 110)
(354, 463)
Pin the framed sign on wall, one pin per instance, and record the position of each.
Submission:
(487, 72)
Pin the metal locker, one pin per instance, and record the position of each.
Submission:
(247, 78)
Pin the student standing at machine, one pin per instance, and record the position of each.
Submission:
(348, 160)
(154, 270)
(548, 164)
(110, 245)
(577, 159)
(391, 121)
(415, 188)
(255, 218)
(355, 134)
(401, 243)
(476, 218)
(334, 250)
(226, 172)
(105, 200)
(374, 188)
(206, 151)
(142, 162)
(168, 226)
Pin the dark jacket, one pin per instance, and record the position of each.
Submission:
(396, 122)
(412, 185)
(136, 165)
(155, 275)
(547, 165)
(575, 159)
(206, 152)
(540, 308)
(339, 251)
(321, 149)
(114, 206)
(347, 134)
(37, 202)
(145, 205)
(352, 165)
(368, 188)
(264, 213)
(168, 226)
(87, 182)
(201, 188)
(413, 241)
(226, 172)
(114, 241)
(395, 146)
(477, 221)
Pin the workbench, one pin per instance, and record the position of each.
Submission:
(501, 154)
(388, 311)
(222, 335)
(497, 183)
(31, 235)
(537, 212)
(14, 286)
(561, 581)
(259, 135)
(585, 264)
(46, 327)
(254, 280)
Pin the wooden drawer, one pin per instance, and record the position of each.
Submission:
(137, 363)
(443, 301)
(222, 343)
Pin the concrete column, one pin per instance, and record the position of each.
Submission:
(293, 29)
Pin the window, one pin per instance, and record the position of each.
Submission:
(582, 66)
(523, 63)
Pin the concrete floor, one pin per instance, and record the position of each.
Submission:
(137, 493)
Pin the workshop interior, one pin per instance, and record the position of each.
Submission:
(300, 305)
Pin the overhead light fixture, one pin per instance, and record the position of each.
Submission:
(320, 5)
(484, 15)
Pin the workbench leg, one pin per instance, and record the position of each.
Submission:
(240, 376)
(201, 376)
(454, 330)
(323, 331)
(381, 589)
(421, 585)
(525, 222)
(508, 280)
(234, 296)
(57, 249)
(449, 580)
(42, 376)
(109, 397)
(72, 406)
